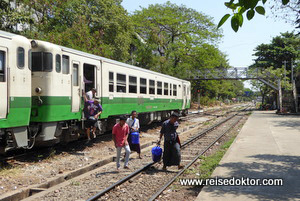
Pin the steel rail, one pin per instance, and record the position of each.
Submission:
(106, 190)
(191, 163)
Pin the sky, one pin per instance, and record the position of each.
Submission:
(238, 46)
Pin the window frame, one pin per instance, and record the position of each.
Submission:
(175, 90)
(151, 87)
(122, 83)
(144, 86)
(132, 85)
(18, 57)
(29, 59)
(43, 56)
(166, 89)
(68, 72)
(75, 84)
(3, 74)
(60, 62)
(159, 88)
(111, 83)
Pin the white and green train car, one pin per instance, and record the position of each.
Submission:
(15, 91)
(41, 87)
(60, 74)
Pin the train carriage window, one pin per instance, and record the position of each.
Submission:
(41, 61)
(20, 57)
(143, 86)
(65, 64)
(111, 82)
(2, 66)
(121, 83)
(75, 75)
(47, 63)
(151, 87)
(174, 90)
(29, 59)
(159, 88)
(132, 84)
(166, 89)
(170, 90)
(58, 63)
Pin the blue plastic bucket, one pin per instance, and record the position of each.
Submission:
(135, 138)
(156, 153)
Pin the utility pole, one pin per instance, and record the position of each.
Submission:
(284, 62)
(292, 76)
(198, 100)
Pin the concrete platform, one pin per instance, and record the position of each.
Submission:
(268, 146)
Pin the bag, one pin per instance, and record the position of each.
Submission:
(156, 153)
(135, 138)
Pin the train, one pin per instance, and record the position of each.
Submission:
(42, 86)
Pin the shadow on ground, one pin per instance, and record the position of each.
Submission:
(267, 166)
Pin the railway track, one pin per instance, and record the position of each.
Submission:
(146, 182)
(43, 151)
(106, 174)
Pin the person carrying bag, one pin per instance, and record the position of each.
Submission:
(134, 136)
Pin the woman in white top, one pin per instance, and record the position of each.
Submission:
(134, 126)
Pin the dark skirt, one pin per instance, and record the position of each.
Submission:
(171, 155)
(133, 147)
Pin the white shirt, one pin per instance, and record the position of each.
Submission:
(89, 95)
(136, 124)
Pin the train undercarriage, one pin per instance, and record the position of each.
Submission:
(51, 133)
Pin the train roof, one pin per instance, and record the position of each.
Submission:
(8, 35)
(92, 56)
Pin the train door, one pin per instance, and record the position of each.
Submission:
(75, 87)
(184, 96)
(3, 83)
(98, 79)
(90, 77)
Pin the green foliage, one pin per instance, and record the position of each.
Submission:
(100, 27)
(10, 18)
(239, 7)
(170, 36)
(271, 58)
(166, 38)
(282, 48)
(209, 163)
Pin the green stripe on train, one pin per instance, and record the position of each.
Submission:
(53, 108)
(19, 112)
(59, 108)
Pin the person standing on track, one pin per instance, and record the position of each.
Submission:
(134, 126)
(120, 134)
(171, 155)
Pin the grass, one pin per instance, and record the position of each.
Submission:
(209, 163)
(75, 183)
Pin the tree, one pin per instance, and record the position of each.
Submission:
(250, 7)
(169, 35)
(282, 49)
(100, 27)
(10, 18)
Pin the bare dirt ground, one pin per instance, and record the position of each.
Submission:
(43, 166)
